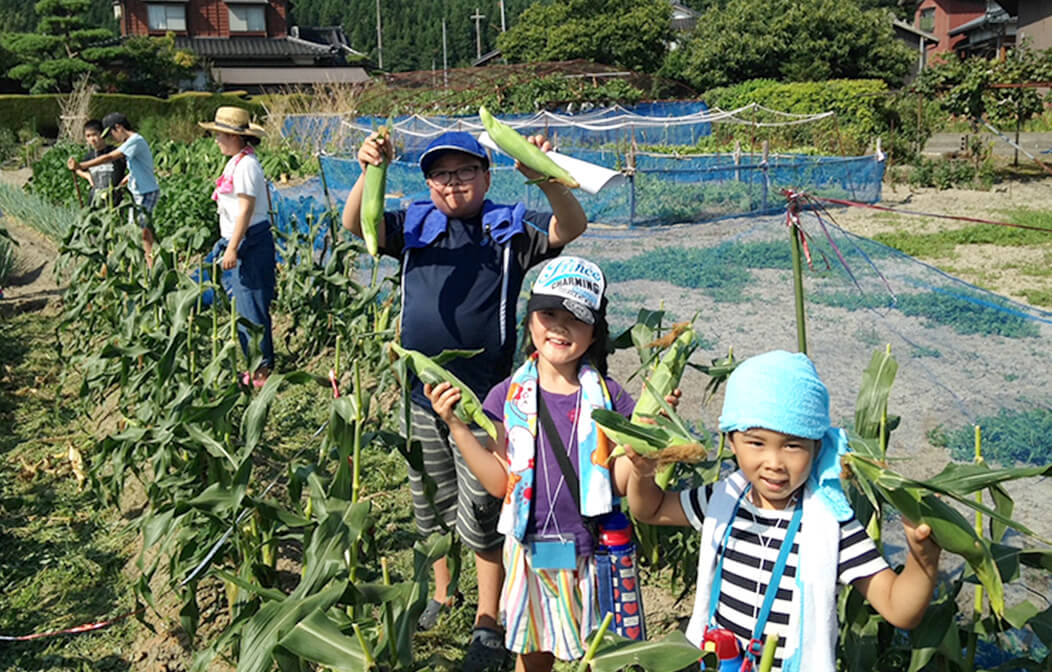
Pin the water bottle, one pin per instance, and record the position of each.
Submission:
(618, 578)
(725, 645)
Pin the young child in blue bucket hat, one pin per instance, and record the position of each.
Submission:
(463, 261)
(778, 535)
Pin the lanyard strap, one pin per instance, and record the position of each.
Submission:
(776, 572)
(556, 442)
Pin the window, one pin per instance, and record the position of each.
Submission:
(248, 19)
(926, 20)
(166, 17)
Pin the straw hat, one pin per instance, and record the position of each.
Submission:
(236, 120)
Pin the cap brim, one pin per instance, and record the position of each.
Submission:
(553, 302)
(433, 153)
(105, 131)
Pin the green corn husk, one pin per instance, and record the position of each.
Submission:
(469, 408)
(372, 208)
(524, 151)
(663, 379)
(667, 373)
(665, 440)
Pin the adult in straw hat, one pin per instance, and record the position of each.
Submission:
(245, 249)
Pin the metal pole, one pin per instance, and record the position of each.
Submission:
(798, 276)
(503, 26)
(379, 39)
(477, 18)
(445, 58)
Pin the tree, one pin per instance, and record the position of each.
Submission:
(629, 33)
(62, 50)
(790, 40)
(152, 65)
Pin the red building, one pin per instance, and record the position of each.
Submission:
(939, 17)
(245, 43)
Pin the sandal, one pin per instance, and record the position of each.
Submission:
(486, 653)
(429, 617)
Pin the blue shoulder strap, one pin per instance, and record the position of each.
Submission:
(755, 647)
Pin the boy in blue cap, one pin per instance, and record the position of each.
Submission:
(463, 262)
(778, 535)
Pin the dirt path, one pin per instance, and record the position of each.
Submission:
(32, 285)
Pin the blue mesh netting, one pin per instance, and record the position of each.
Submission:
(661, 190)
(667, 123)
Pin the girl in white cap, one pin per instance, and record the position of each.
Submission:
(549, 601)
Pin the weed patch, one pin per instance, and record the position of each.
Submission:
(1010, 437)
(965, 313)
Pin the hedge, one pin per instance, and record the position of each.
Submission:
(41, 112)
(860, 104)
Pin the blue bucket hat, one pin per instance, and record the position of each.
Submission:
(452, 141)
(781, 391)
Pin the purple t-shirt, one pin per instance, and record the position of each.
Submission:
(553, 509)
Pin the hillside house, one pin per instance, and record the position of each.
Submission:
(1033, 21)
(989, 35)
(245, 44)
(939, 17)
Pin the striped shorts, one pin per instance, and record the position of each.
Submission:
(460, 501)
(550, 610)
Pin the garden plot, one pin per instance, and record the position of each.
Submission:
(965, 355)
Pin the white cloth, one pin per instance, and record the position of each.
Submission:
(811, 644)
(248, 180)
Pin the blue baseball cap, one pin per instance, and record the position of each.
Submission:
(452, 141)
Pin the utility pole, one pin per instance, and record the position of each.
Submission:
(379, 39)
(477, 18)
(503, 27)
(445, 59)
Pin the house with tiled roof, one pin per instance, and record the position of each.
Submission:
(1033, 21)
(940, 17)
(246, 44)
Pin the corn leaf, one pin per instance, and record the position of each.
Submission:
(317, 639)
(872, 402)
(667, 654)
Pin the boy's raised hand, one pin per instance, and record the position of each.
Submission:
(374, 150)
(444, 398)
(922, 547)
(541, 142)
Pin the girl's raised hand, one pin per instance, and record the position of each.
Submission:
(673, 398)
(444, 398)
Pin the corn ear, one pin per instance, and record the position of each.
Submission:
(523, 151)
(663, 441)
(371, 213)
(469, 408)
(662, 381)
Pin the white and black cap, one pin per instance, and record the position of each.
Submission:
(570, 283)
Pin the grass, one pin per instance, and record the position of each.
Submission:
(940, 245)
(61, 556)
(964, 312)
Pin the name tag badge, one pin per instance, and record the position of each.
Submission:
(552, 551)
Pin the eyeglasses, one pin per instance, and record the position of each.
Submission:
(463, 174)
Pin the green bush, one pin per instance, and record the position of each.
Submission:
(951, 173)
(860, 106)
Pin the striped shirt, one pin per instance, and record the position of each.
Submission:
(755, 541)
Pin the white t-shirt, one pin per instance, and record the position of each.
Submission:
(248, 179)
